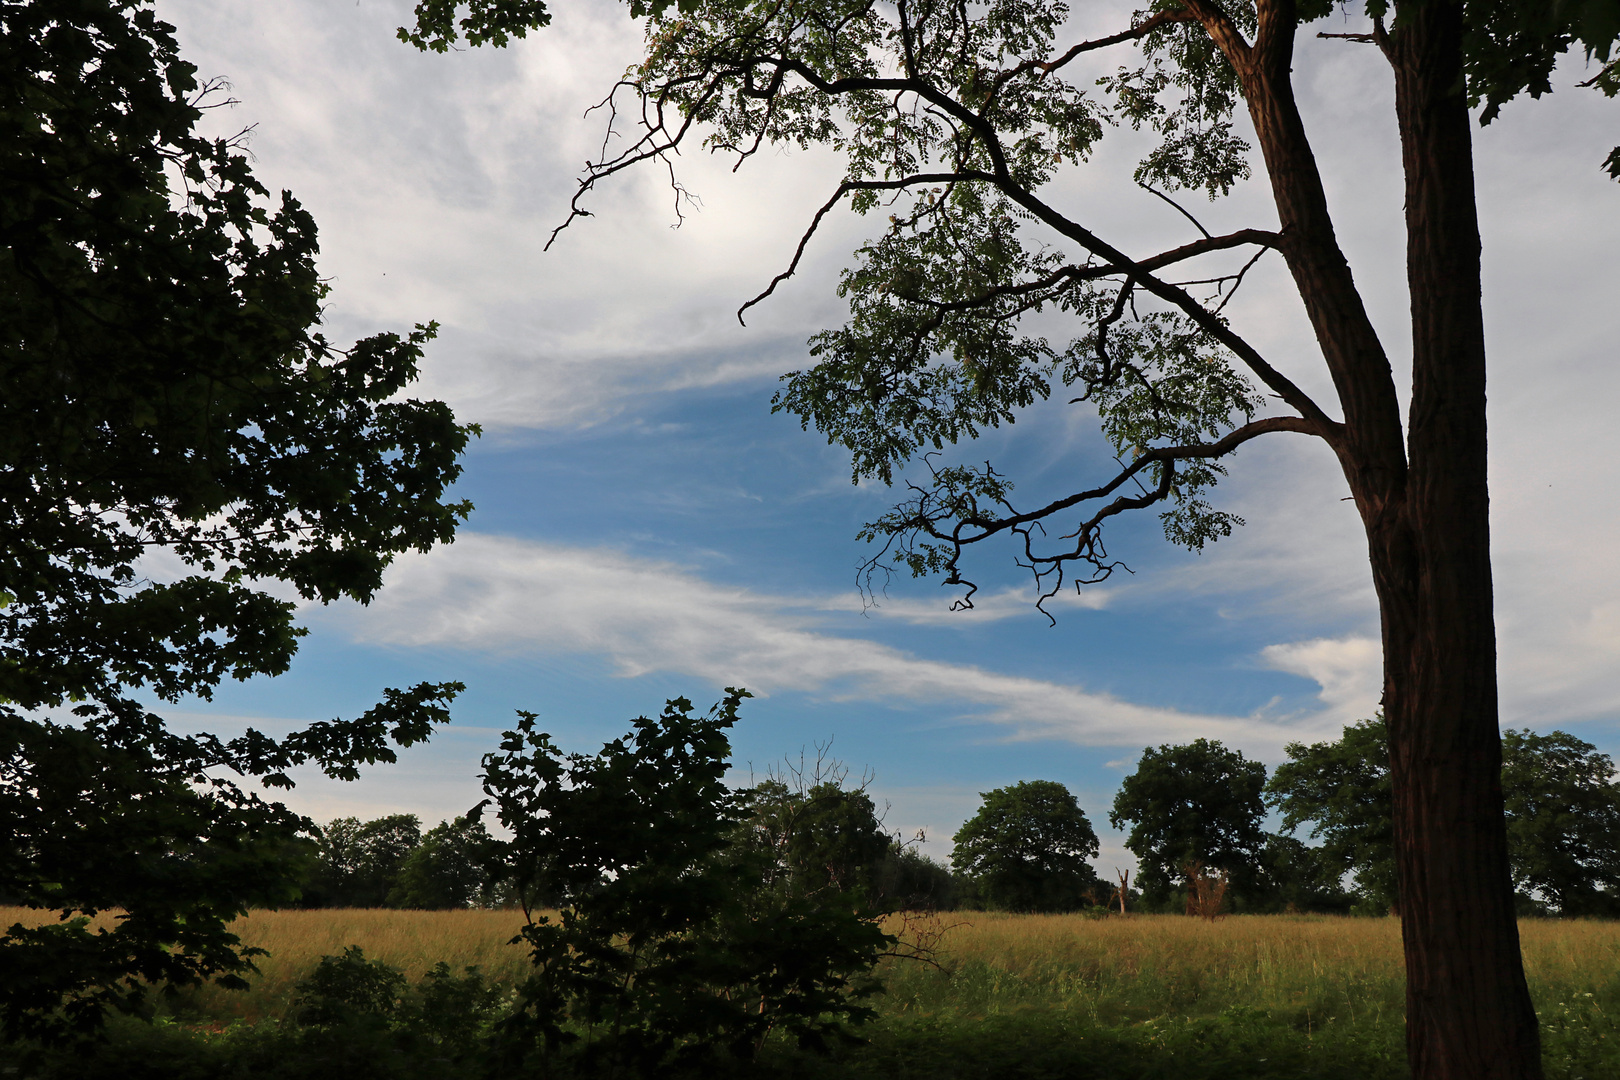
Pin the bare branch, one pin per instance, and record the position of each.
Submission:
(1220, 448)
(815, 222)
(1182, 210)
(1087, 537)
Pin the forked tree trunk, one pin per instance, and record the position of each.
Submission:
(1426, 512)
(1468, 1010)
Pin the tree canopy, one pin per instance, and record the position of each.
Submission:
(1027, 848)
(1342, 790)
(1198, 802)
(1563, 815)
(180, 448)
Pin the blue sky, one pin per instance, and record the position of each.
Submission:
(645, 528)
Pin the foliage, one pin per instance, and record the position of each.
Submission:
(1563, 811)
(388, 862)
(821, 838)
(908, 880)
(1197, 802)
(676, 945)
(357, 863)
(175, 435)
(1026, 848)
(1562, 803)
(453, 867)
(344, 987)
(1014, 996)
(1300, 877)
(1342, 789)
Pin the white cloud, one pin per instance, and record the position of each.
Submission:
(500, 594)
(987, 607)
(1350, 671)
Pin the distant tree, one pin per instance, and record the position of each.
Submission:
(1563, 815)
(1027, 848)
(164, 391)
(1563, 812)
(821, 834)
(676, 947)
(1296, 876)
(908, 880)
(451, 868)
(1342, 789)
(358, 862)
(1196, 802)
(818, 833)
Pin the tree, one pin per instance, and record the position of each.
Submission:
(1027, 848)
(1299, 877)
(358, 863)
(1563, 810)
(822, 837)
(908, 880)
(676, 943)
(452, 867)
(1563, 815)
(1343, 790)
(1198, 802)
(164, 390)
(957, 117)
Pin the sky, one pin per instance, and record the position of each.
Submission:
(645, 528)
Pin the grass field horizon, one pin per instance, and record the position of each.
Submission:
(1315, 995)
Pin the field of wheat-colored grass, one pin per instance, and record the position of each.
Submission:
(1109, 970)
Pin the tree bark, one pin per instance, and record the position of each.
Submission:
(1425, 509)
(1468, 1009)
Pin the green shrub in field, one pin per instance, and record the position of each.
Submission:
(679, 943)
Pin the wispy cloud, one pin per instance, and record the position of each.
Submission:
(513, 596)
(1349, 670)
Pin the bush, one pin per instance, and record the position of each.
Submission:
(677, 946)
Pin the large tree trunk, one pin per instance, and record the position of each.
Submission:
(1426, 512)
(1468, 1010)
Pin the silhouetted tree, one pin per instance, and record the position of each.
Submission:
(164, 389)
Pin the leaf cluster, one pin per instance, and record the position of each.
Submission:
(680, 941)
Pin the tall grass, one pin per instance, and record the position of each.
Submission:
(1059, 995)
(1115, 970)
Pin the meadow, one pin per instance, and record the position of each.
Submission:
(1034, 996)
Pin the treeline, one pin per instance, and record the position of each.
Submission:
(824, 835)
(1196, 812)
(390, 863)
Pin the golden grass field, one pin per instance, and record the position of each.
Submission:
(1113, 970)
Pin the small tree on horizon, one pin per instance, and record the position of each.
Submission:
(1196, 803)
(1027, 849)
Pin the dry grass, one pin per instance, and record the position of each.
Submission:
(412, 941)
(1111, 970)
